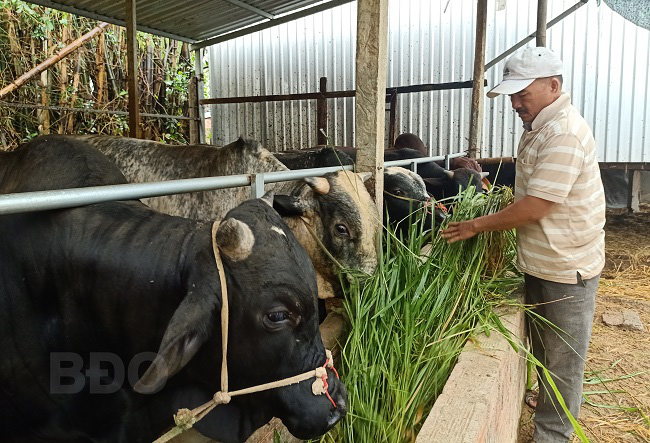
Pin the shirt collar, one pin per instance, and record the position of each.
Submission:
(547, 114)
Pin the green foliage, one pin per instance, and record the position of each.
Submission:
(410, 320)
(30, 34)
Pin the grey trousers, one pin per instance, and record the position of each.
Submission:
(561, 350)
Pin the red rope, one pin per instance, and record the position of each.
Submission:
(438, 205)
(324, 378)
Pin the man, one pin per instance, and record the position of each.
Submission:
(559, 213)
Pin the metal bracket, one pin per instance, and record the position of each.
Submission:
(257, 185)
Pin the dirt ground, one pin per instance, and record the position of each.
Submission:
(618, 411)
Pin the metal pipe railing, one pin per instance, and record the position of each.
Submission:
(68, 198)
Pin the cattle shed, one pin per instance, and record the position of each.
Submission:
(266, 59)
(301, 73)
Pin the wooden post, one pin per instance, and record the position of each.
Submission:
(634, 190)
(198, 72)
(476, 118)
(132, 70)
(541, 23)
(392, 120)
(370, 106)
(193, 104)
(321, 114)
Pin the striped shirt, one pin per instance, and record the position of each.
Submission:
(556, 161)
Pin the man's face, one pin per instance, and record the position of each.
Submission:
(538, 95)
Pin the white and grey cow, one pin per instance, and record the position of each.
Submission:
(336, 208)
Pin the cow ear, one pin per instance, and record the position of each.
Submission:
(320, 185)
(268, 198)
(185, 334)
(364, 176)
(288, 205)
(433, 183)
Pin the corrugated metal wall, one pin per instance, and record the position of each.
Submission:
(606, 60)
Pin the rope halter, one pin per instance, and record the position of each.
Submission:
(186, 418)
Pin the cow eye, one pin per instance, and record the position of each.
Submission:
(398, 192)
(278, 316)
(342, 230)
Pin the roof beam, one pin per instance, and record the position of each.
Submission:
(107, 19)
(269, 24)
(250, 8)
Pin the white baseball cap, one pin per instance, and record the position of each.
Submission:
(524, 67)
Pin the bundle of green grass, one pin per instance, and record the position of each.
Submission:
(411, 319)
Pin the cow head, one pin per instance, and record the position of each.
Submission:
(339, 211)
(405, 193)
(453, 181)
(273, 330)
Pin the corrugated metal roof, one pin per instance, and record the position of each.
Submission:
(190, 21)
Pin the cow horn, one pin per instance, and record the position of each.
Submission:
(318, 184)
(268, 198)
(364, 176)
(449, 174)
(484, 174)
(235, 239)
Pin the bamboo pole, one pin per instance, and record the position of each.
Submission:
(75, 87)
(100, 65)
(193, 99)
(132, 69)
(44, 115)
(63, 82)
(14, 43)
(52, 60)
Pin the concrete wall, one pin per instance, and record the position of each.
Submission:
(482, 400)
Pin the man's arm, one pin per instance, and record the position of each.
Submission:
(527, 210)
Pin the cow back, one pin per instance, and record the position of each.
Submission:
(148, 161)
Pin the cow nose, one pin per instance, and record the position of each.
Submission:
(339, 395)
(334, 418)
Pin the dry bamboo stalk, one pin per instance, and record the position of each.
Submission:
(75, 86)
(63, 81)
(52, 60)
(44, 115)
(14, 44)
(101, 72)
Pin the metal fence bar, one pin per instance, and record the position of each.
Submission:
(69, 198)
(422, 160)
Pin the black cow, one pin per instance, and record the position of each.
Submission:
(404, 194)
(441, 183)
(411, 141)
(314, 158)
(115, 280)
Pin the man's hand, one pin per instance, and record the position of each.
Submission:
(526, 210)
(459, 231)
